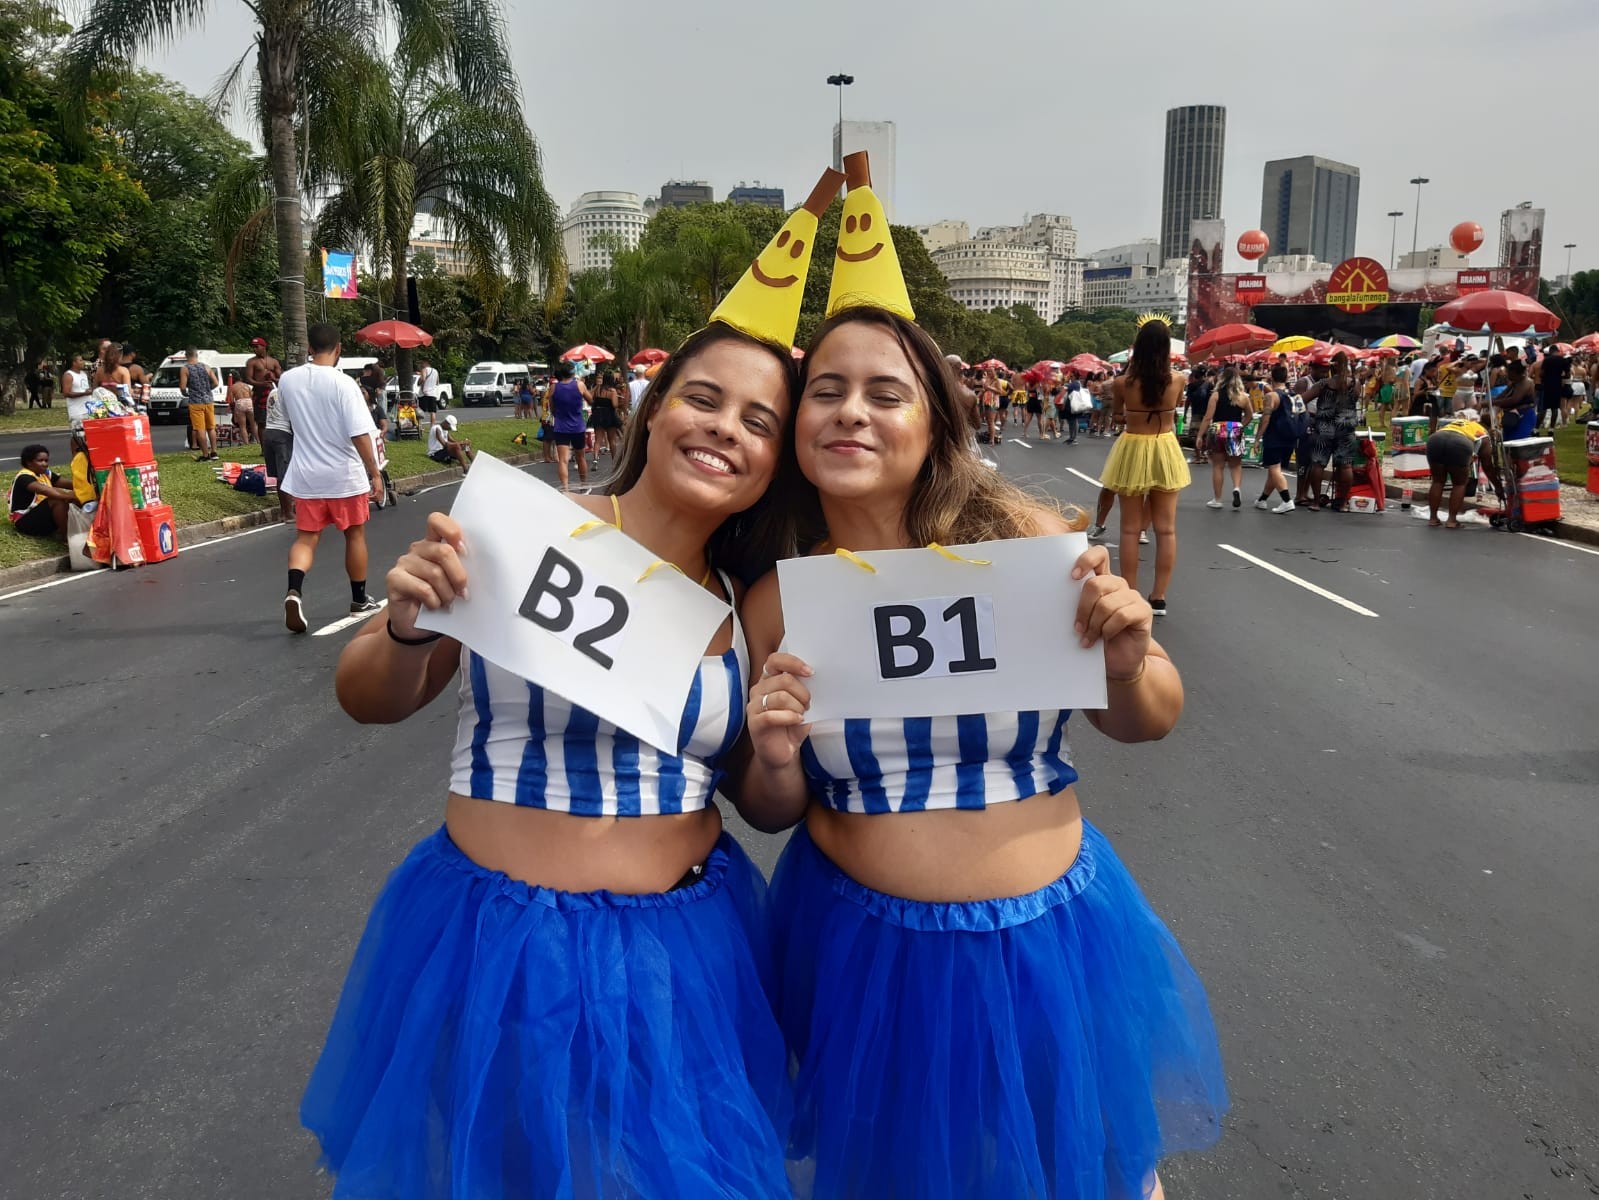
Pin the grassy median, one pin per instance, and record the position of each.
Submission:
(196, 496)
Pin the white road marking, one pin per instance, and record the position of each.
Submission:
(1535, 537)
(1019, 442)
(1294, 579)
(1084, 475)
(346, 622)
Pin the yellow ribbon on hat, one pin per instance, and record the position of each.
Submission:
(765, 303)
(866, 270)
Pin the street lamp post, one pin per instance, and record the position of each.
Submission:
(1393, 240)
(1570, 246)
(1416, 229)
(840, 82)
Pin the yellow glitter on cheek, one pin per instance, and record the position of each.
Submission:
(914, 411)
(674, 402)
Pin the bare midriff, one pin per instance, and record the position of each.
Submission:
(954, 855)
(566, 853)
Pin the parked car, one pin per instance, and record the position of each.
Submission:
(493, 383)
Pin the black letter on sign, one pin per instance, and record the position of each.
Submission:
(612, 624)
(966, 609)
(544, 585)
(888, 641)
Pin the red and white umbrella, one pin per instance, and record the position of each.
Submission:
(1230, 339)
(1588, 342)
(394, 333)
(647, 357)
(1087, 364)
(1497, 311)
(992, 364)
(588, 352)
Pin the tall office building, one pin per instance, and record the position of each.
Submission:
(1308, 205)
(1196, 136)
(680, 193)
(617, 213)
(754, 193)
(877, 139)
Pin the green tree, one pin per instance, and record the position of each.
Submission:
(709, 246)
(65, 199)
(397, 137)
(640, 300)
(298, 51)
(1577, 305)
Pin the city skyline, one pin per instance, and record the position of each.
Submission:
(983, 154)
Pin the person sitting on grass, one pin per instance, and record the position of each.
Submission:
(444, 447)
(38, 501)
(84, 493)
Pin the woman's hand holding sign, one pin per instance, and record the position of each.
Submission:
(776, 713)
(428, 575)
(1114, 613)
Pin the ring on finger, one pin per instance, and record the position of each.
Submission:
(765, 696)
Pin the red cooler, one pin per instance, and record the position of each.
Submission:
(127, 438)
(1532, 460)
(158, 532)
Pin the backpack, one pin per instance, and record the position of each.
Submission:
(1298, 417)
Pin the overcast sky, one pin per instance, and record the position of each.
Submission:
(1006, 107)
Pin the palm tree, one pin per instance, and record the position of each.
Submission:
(633, 302)
(287, 49)
(396, 137)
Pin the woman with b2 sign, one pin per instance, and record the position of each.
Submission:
(1046, 1038)
(563, 992)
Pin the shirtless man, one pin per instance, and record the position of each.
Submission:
(261, 373)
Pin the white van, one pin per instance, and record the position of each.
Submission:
(167, 401)
(353, 365)
(493, 382)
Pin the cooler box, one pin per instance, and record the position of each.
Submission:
(1409, 443)
(158, 531)
(144, 483)
(1537, 485)
(1593, 458)
(127, 438)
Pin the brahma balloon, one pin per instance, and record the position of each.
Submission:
(1253, 244)
(1466, 236)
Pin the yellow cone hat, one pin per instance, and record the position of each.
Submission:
(765, 303)
(866, 272)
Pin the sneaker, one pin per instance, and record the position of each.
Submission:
(1143, 537)
(1159, 607)
(1238, 500)
(368, 605)
(1283, 506)
(1095, 532)
(1213, 504)
(1262, 505)
(294, 614)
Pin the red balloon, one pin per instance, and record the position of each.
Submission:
(1466, 236)
(1253, 244)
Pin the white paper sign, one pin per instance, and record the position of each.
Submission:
(926, 636)
(570, 613)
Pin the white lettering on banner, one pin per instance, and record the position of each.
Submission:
(947, 635)
(987, 628)
(585, 616)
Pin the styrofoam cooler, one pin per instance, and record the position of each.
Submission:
(127, 438)
(1593, 458)
(158, 531)
(1409, 443)
(1537, 484)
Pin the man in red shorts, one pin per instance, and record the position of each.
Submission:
(333, 473)
(261, 372)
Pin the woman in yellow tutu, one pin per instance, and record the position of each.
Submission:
(1146, 466)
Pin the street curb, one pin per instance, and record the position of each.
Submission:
(43, 568)
(1566, 531)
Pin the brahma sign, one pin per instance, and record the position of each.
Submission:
(1358, 285)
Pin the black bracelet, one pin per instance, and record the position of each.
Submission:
(424, 640)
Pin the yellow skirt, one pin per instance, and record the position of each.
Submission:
(1145, 462)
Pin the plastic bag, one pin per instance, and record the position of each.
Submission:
(78, 525)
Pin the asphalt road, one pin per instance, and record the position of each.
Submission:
(170, 437)
(1375, 836)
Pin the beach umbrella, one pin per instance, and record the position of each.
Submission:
(1086, 364)
(1293, 344)
(1397, 341)
(1230, 339)
(394, 333)
(589, 353)
(992, 364)
(1588, 342)
(648, 357)
(1500, 312)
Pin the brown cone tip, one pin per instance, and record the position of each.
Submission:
(857, 170)
(824, 191)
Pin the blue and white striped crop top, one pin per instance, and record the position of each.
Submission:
(522, 744)
(912, 764)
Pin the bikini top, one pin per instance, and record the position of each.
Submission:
(519, 743)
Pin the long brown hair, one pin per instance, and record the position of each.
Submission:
(956, 500)
(749, 543)
(1150, 366)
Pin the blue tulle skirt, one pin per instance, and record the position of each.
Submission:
(1052, 1046)
(500, 1040)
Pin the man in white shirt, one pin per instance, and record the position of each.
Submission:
(333, 473)
(636, 388)
(427, 388)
